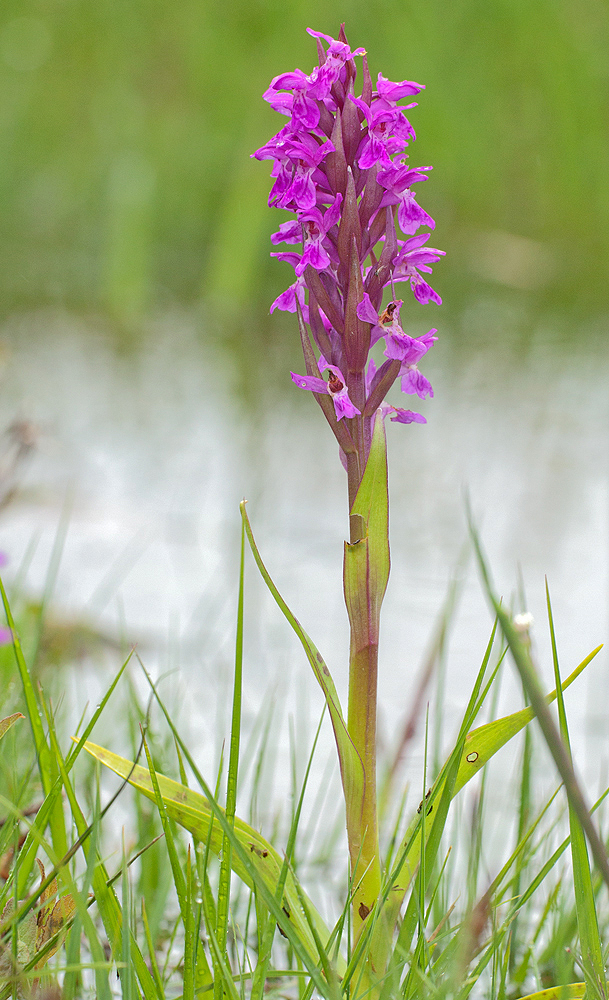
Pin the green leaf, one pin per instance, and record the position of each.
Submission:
(367, 560)
(192, 811)
(46, 763)
(479, 747)
(483, 743)
(572, 991)
(233, 769)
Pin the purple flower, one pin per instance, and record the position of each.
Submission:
(402, 416)
(317, 248)
(381, 324)
(287, 300)
(413, 258)
(396, 179)
(340, 165)
(297, 157)
(408, 350)
(337, 54)
(392, 92)
(318, 251)
(335, 387)
(388, 133)
(415, 383)
(299, 106)
(6, 636)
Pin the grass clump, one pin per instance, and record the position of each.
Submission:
(202, 904)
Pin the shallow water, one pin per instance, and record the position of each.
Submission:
(148, 454)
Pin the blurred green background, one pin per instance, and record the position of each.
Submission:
(126, 186)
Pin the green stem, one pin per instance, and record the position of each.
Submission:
(354, 476)
(365, 578)
(363, 835)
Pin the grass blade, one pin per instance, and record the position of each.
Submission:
(352, 771)
(233, 767)
(556, 746)
(587, 922)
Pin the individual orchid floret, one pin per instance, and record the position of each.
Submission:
(318, 251)
(287, 300)
(299, 105)
(397, 414)
(337, 54)
(410, 214)
(297, 158)
(396, 179)
(388, 320)
(335, 387)
(412, 258)
(408, 350)
(414, 383)
(392, 92)
(388, 133)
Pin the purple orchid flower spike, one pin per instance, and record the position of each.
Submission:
(340, 165)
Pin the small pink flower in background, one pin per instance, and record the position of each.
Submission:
(6, 636)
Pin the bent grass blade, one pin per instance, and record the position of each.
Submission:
(351, 767)
(587, 921)
(192, 811)
(551, 734)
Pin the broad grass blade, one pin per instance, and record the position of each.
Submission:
(254, 860)
(352, 771)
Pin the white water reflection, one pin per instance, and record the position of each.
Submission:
(154, 454)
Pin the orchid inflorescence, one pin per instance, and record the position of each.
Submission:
(340, 165)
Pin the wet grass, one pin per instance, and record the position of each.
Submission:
(168, 892)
